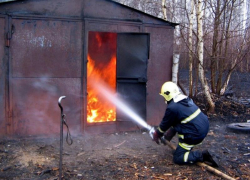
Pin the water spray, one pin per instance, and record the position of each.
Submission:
(125, 108)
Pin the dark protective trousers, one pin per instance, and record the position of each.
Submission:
(184, 154)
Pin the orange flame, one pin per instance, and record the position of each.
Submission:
(98, 108)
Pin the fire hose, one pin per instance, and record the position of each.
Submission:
(172, 146)
(68, 136)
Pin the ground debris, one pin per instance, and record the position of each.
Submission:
(44, 172)
(110, 157)
(141, 160)
(223, 106)
(6, 168)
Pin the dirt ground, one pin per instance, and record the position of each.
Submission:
(133, 155)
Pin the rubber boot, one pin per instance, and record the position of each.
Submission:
(208, 158)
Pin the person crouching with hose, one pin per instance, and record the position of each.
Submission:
(182, 116)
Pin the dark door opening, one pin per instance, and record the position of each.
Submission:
(132, 59)
(120, 61)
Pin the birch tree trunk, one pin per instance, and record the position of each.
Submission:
(190, 53)
(202, 77)
(164, 9)
(175, 68)
(223, 89)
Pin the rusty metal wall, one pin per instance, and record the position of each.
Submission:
(2, 78)
(35, 108)
(51, 48)
(46, 62)
(159, 70)
(48, 56)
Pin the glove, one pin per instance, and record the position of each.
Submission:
(170, 134)
(157, 136)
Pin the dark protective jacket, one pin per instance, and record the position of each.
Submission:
(187, 119)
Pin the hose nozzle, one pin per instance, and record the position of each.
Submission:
(151, 132)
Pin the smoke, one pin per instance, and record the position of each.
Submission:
(35, 105)
(45, 85)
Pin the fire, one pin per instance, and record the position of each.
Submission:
(101, 68)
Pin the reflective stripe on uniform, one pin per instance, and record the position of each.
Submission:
(160, 130)
(186, 156)
(181, 136)
(186, 146)
(192, 116)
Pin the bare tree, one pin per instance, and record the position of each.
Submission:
(226, 42)
(199, 13)
(190, 45)
(221, 44)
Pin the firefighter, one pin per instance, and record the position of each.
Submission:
(182, 116)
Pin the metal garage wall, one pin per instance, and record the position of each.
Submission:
(159, 70)
(46, 63)
(2, 78)
(48, 55)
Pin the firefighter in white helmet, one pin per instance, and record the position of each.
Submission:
(185, 118)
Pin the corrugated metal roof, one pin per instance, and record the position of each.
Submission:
(3, 1)
(172, 23)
